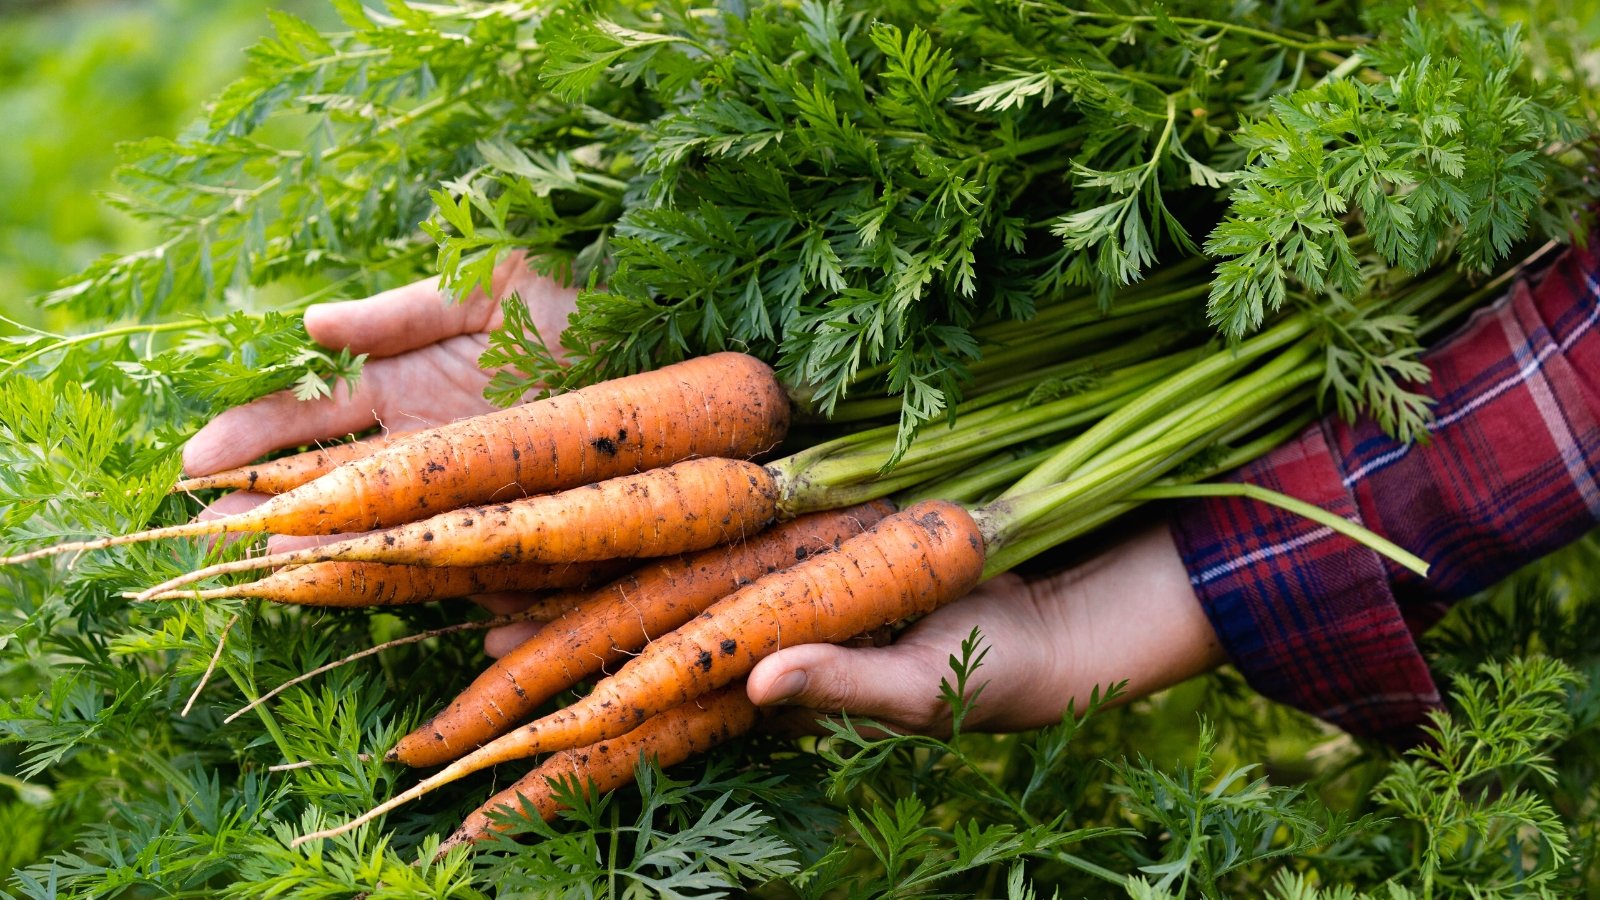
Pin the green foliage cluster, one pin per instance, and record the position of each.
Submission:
(849, 189)
(909, 150)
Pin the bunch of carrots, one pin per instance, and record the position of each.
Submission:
(677, 560)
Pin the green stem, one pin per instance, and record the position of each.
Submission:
(1059, 528)
(858, 457)
(267, 720)
(1346, 66)
(1179, 388)
(104, 334)
(1154, 293)
(1088, 311)
(1028, 372)
(973, 483)
(1027, 145)
(1454, 312)
(1011, 515)
(1254, 449)
(193, 322)
(1349, 529)
(1021, 381)
(1021, 363)
(1278, 366)
(1053, 345)
(1083, 865)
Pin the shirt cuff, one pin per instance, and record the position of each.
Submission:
(1306, 615)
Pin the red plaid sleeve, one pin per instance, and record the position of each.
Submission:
(1508, 474)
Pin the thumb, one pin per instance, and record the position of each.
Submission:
(897, 685)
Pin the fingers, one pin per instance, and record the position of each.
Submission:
(440, 383)
(436, 380)
(500, 641)
(273, 422)
(394, 321)
(419, 314)
(227, 505)
(505, 603)
(896, 685)
(284, 543)
(231, 504)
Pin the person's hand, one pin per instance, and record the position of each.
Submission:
(422, 367)
(1128, 614)
(422, 370)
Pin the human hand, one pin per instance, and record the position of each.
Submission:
(422, 367)
(1129, 614)
(422, 370)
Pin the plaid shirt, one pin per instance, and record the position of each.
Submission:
(1508, 474)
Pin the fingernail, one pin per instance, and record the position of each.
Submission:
(788, 685)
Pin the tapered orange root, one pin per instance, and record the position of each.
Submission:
(723, 405)
(692, 505)
(668, 739)
(907, 565)
(289, 472)
(363, 584)
(726, 404)
(614, 621)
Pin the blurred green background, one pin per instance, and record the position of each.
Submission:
(77, 79)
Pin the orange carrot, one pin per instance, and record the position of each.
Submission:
(726, 404)
(668, 738)
(275, 476)
(692, 505)
(907, 565)
(362, 584)
(614, 621)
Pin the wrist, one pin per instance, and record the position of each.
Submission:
(1129, 615)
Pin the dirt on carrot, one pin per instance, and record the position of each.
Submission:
(667, 739)
(906, 565)
(723, 405)
(692, 505)
(275, 476)
(613, 622)
(363, 584)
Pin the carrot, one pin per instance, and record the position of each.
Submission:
(362, 584)
(692, 505)
(726, 404)
(906, 565)
(614, 621)
(275, 476)
(668, 739)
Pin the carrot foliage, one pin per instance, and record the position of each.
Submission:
(857, 191)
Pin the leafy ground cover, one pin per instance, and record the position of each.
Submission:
(121, 780)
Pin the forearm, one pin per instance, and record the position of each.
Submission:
(1130, 614)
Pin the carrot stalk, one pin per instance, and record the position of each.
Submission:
(668, 738)
(363, 584)
(726, 404)
(906, 565)
(691, 505)
(612, 623)
(286, 473)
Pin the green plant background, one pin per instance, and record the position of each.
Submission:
(77, 78)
